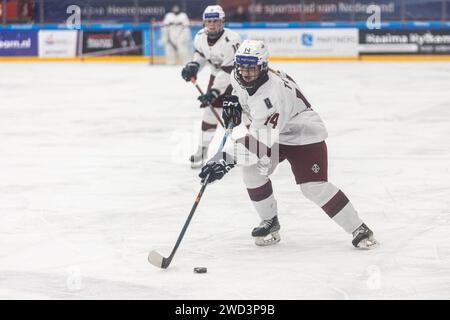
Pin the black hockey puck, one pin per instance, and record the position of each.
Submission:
(200, 269)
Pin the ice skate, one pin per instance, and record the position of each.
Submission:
(363, 238)
(199, 158)
(267, 232)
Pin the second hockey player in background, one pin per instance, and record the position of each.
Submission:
(176, 36)
(214, 46)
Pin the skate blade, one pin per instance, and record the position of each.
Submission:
(269, 240)
(368, 244)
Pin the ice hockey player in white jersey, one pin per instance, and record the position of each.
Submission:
(214, 46)
(176, 36)
(276, 104)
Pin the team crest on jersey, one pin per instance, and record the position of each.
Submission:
(268, 103)
(315, 168)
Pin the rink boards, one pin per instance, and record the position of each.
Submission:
(286, 41)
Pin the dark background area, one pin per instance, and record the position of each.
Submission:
(142, 11)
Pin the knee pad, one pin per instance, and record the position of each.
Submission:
(252, 178)
(319, 192)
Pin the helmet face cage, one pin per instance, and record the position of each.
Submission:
(249, 65)
(213, 34)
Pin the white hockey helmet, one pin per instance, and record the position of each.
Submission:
(251, 54)
(214, 13)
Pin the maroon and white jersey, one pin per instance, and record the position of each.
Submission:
(220, 56)
(279, 113)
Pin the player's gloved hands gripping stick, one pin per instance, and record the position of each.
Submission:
(217, 167)
(232, 111)
(209, 97)
(190, 71)
(222, 162)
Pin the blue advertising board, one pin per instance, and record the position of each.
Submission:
(22, 43)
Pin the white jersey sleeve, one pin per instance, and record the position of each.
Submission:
(199, 55)
(184, 20)
(229, 46)
(165, 27)
(298, 123)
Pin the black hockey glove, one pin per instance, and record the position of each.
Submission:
(209, 97)
(217, 167)
(190, 70)
(232, 111)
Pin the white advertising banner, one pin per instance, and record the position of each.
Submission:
(306, 42)
(58, 43)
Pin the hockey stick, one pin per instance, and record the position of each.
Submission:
(194, 81)
(157, 259)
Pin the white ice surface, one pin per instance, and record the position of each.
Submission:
(93, 176)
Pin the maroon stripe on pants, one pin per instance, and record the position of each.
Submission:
(336, 204)
(208, 126)
(261, 193)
